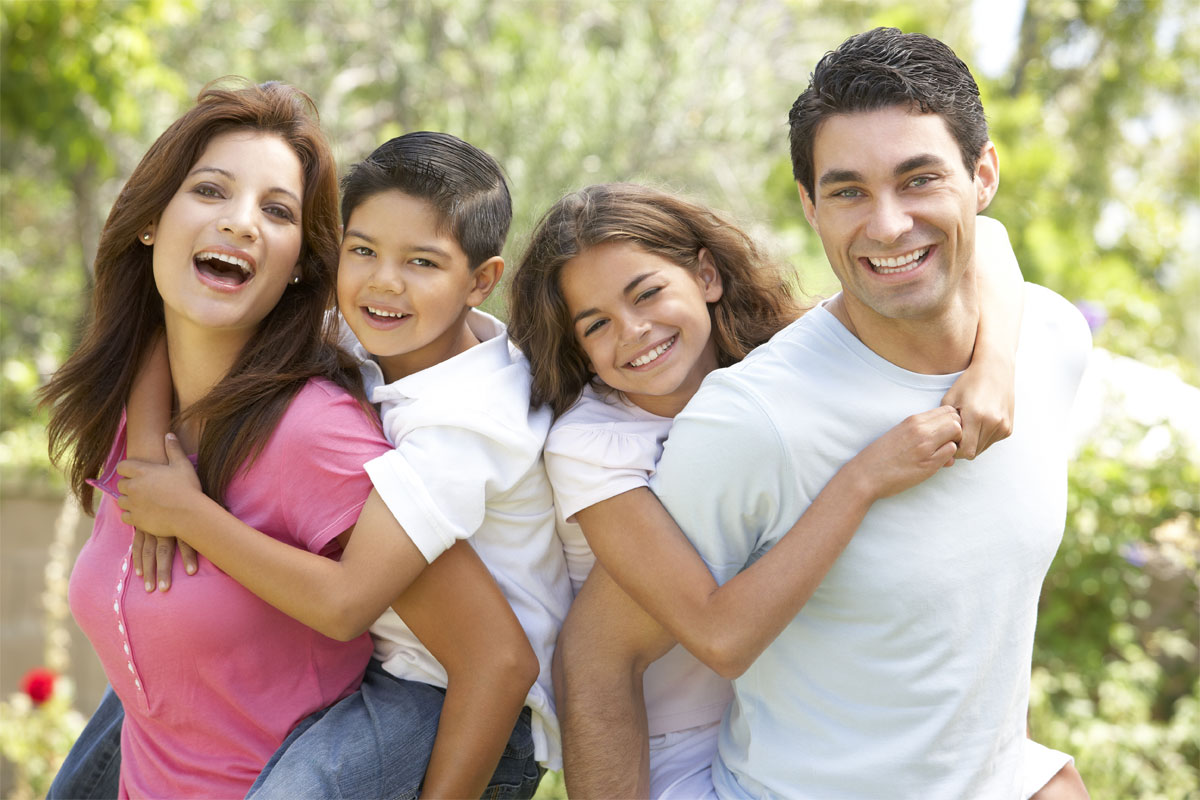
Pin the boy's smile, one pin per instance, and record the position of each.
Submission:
(405, 285)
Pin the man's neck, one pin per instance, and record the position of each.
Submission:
(937, 346)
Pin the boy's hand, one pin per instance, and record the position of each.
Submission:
(152, 556)
(986, 401)
(155, 499)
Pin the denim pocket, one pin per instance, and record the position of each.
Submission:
(518, 773)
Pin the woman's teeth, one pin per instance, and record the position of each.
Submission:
(223, 265)
(641, 361)
(890, 266)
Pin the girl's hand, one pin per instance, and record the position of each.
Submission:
(155, 499)
(910, 452)
(152, 555)
(985, 398)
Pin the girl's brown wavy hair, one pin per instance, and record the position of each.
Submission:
(759, 296)
(87, 394)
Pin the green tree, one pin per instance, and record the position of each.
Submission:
(77, 77)
(1100, 155)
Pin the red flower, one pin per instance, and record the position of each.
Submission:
(38, 683)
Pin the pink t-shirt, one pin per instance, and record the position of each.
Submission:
(212, 678)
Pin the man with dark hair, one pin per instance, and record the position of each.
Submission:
(907, 672)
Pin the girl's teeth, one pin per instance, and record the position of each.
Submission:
(376, 312)
(888, 266)
(653, 354)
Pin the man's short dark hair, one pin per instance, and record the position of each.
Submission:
(879, 69)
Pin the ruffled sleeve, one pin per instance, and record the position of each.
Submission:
(590, 463)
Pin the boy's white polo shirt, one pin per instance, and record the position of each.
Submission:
(467, 464)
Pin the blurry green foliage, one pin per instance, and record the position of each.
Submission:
(73, 73)
(1115, 659)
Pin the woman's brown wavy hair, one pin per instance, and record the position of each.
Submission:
(759, 296)
(87, 394)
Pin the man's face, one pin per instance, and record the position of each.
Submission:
(895, 210)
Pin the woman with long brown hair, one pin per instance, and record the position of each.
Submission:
(225, 240)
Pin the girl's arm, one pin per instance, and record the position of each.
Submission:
(379, 561)
(983, 394)
(147, 420)
(457, 611)
(727, 627)
(608, 641)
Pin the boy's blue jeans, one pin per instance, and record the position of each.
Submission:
(374, 743)
(92, 770)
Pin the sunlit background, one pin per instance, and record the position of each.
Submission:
(1093, 106)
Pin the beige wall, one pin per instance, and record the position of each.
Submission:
(26, 533)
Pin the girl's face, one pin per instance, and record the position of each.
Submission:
(228, 242)
(643, 322)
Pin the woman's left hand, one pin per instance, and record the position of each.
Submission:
(986, 401)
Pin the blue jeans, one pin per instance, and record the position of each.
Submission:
(92, 770)
(377, 743)
(374, 743)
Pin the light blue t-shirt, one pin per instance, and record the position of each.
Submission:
(907, 672)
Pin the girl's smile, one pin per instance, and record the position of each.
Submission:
(653, 355)
(643, 322)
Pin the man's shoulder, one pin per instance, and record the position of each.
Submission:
(1051, 317)
(779, 364)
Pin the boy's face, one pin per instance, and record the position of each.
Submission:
(404, 284)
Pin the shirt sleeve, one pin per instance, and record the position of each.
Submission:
(437, 480)
(587, 464)
(107, 480)
(317, 454)
(723, 475)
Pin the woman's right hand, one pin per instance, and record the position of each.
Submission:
(152, 556)
(910, 452)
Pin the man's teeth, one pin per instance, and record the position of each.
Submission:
(653, 354)
(888, 266)
(379, 312)
(225, 258)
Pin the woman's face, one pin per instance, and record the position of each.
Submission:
(228, 243)
(643, 322)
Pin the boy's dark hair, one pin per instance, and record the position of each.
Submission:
(464, 184)
(879, 69)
